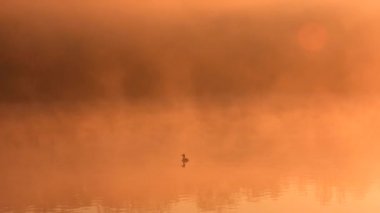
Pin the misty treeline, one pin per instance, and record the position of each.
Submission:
(50, 54)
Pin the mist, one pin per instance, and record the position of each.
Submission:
(96, 96)
(160, 53)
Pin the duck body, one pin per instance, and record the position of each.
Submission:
(184, 160)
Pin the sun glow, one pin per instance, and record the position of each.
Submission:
(312, 37)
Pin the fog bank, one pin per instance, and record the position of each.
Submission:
(55, 52)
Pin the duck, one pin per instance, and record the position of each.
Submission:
(184, 160)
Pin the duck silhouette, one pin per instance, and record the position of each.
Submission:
(184, 160)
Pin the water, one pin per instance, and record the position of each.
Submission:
(243, 158)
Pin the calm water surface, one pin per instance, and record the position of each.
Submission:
(242, 159)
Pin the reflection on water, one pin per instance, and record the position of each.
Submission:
(242, 159)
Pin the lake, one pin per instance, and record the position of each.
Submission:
(318, 156)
